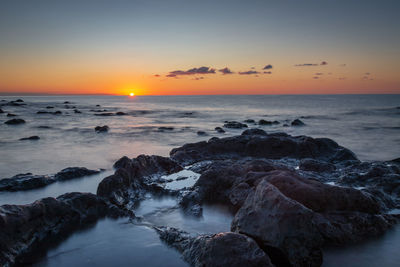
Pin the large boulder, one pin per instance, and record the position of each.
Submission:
(222, 249)
(282, 223)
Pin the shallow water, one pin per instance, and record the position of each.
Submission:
(368, 125)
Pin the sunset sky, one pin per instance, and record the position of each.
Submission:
(199, 47)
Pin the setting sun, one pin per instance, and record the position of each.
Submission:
(132, 94)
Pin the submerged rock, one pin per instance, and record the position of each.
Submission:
(120, 113)
(77, 111)
(34, 137)
(265, 122)
(74, 172)
(222, 249)
(249, 121)
(19, 100)
(235, 125)
(11, 115)
(1, 111)
(201, 133)
(25, 181)
(297, 122)
(219, 130)
(101, 129)
(164, 128)
(15, 121)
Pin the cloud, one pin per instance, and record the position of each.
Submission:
(198, 78)
(342, 65)
(315, 77)
(193, 71)
(226, 70)
(342, 78)
(305, 65)
(157, 75)
(267, 67)
(323, 63)
(319, 73)
(267, 72)
(367, 73)
(249, 72)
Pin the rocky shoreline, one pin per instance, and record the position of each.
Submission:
(292, 195)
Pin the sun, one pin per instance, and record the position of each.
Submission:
(132, 94)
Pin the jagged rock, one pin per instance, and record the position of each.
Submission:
(222, 249)
(133, 177)
(15, 121)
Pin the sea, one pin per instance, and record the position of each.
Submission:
(369, 125)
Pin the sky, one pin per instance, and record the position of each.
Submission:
(200, 47)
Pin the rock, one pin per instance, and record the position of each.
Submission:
(234, 125)
(49, 107)
(249, 121)
(77, 111)
(202, 133)
(279, 222)
(254, 131)
(219, 130)
(15, 121)
(48, 112)
(265, 122)
(34, 137)
(222, 249)
(25, 228)
(44, 127)
(25, 181)
(57, 112)
(11, 115)
(316, 165)
(74, 172)
(258, 144)
(163, 128)
(297, 122)
(104, 114)
(101, 129)
(67, 102)
(134, 177)
(119, 113)
(97, 105)
(1, 111)
(19, 101)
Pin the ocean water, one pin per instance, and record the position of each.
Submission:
(369, 125)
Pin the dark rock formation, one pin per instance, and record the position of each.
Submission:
(164, 128)
(11, 115)
(104, 114)
(19, 101)
(1, 111)
(74, 172)
(259, 144)
(234, 125)
(34, 137)
(15, 121)
(265, 122)
(26, 227)
(49, 112)
(297, 122)
(316, 165)
(25, 181)
(101, 129)
(249, 121)
(120, 113)
(222, 249)
(77, 111)
(201, 133)
(219, 130)
(133, 178)
(49, 107)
